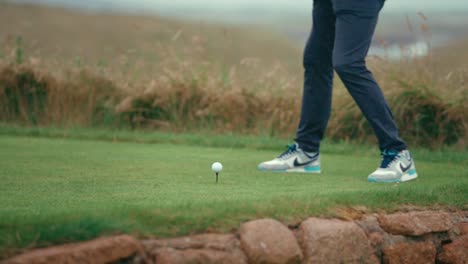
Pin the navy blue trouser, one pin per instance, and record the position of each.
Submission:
(340, 39)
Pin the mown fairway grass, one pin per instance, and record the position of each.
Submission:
(56, 190)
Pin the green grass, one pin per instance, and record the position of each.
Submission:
(59, 185)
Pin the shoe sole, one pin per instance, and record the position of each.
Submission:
(406, 177)
(315, 170)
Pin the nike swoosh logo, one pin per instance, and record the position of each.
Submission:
(298, 164)
(404, 169)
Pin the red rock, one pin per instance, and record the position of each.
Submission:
(334, 241)
(369, 224)
(225, 242)
(269, 241)
(101, 250)
(458, 230)
(405, 253)
(205, 248)
(416, 223)
(463, 227)
(455, 252)
(198, 256)
(376, 239)
(376, 235)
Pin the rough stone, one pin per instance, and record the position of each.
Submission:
(198, 256)
(460, 216)
(405, 253)
(376, 239)
(334, 241)
(458, 230)
(101, 250)
(377, 236)
(455, 252)
(205, 248)
(269, 241)
(370, 224)
(224, 242)
(416, 223)
(463, 227)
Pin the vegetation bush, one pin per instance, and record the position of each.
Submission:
(23, 95)
(426, 119)
(33, 98)
(30, 97)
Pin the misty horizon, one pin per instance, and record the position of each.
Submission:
(290, 18)
(158, 6)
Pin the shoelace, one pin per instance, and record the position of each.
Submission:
(388, 157)
(292, 148)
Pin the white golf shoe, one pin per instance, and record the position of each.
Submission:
(293, 159)
(395, 167)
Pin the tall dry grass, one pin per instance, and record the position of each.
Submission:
(181, 78)
(30, 97)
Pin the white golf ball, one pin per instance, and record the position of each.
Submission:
(217, 167)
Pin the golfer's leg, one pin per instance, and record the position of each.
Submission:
(355, 25)
(318, 77)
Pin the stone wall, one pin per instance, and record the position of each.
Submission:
(413, 238)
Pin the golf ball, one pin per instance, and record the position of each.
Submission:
(217, 167)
